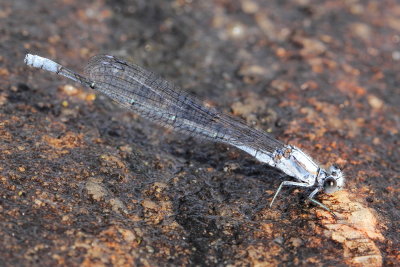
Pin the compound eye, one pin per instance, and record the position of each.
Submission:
(330, 185)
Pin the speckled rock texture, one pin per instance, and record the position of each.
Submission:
(84, 182)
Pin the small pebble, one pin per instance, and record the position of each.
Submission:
(150, 249)
(64, 104)
(396, 55)
(279, 240)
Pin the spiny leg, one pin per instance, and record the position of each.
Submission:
(284, 183)
(311, 198)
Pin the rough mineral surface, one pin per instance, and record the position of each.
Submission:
(84, 182)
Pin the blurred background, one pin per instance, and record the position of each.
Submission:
(85, 182)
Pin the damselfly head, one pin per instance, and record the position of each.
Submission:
(334, 180)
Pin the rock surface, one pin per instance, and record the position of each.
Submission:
(85, 182)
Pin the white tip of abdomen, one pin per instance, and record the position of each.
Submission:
(41, 63)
